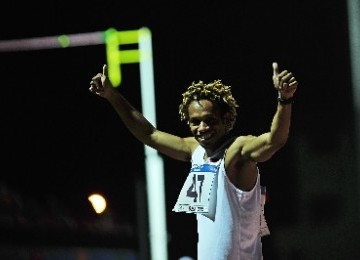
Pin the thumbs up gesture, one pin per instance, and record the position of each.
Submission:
(284, 82)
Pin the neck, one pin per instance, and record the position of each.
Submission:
(220, 148)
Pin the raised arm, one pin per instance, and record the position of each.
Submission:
(262, 148)
(170, 145)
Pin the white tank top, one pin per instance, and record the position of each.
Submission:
(229, 227)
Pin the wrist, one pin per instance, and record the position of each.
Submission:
(285, 101)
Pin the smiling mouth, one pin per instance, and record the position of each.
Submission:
(204, 137)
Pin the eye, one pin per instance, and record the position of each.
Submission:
(210, 121)
(194, 122)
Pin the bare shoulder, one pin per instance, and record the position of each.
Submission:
(235, 150)
(191, 143)
(241, 141)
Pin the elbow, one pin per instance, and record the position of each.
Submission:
(274, 147)
(277, 142)
(280, 145)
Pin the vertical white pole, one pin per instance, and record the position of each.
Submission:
(153, 162)
(353, 7)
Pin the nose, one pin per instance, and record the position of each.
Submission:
(203, 126)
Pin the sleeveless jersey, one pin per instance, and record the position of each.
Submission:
(228, 218)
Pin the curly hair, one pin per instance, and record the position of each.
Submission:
(215, 91)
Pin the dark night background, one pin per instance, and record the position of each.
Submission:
(59, 142)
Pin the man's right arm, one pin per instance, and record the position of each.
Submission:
(168, 144)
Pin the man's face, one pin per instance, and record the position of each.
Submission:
(206, 123)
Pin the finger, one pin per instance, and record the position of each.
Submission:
(287, 75)
(96, 77)
(92, 89)
(292, 79)
(105, 71)
(293, 84)
(95, 82)
(275, 67)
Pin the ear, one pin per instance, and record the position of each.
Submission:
(227, 122)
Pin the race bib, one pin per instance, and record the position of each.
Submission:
(196, 192)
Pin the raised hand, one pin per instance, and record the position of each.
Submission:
(284, 82)
(100, 84)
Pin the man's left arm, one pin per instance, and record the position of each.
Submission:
(262, 148)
